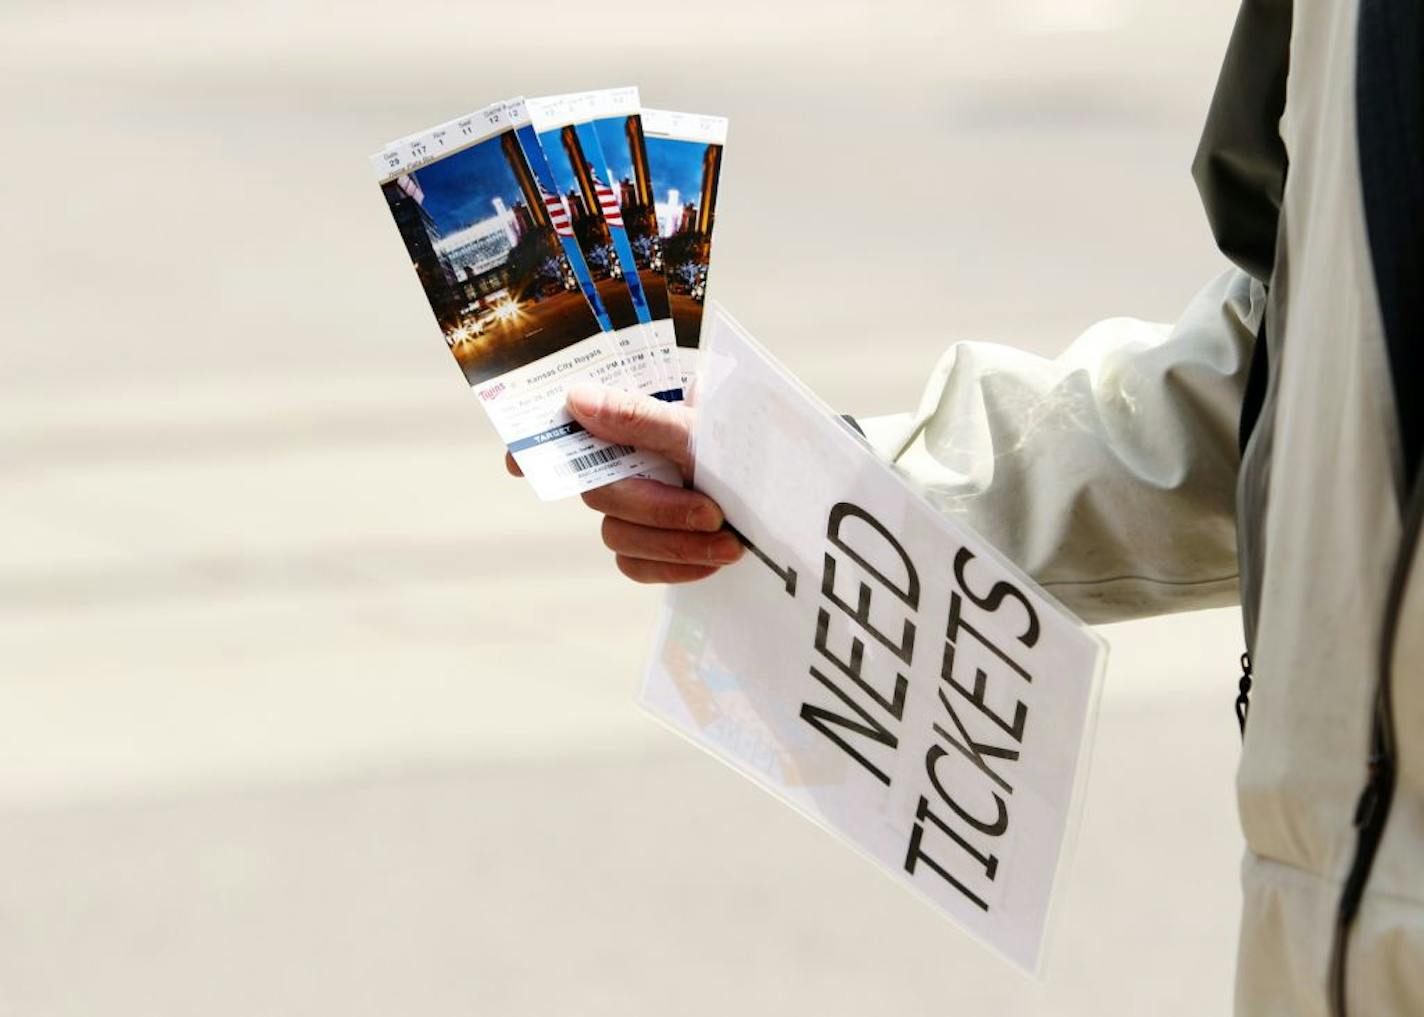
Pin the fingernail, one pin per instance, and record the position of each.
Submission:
(585, 400)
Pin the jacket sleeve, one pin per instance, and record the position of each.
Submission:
(1108, 474)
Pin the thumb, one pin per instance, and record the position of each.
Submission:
(632, 419)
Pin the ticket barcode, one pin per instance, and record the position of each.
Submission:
(598, 457)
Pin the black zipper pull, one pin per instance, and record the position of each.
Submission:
(1373, 792)
(1243, 699)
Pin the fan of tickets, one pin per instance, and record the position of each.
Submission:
(559, 240)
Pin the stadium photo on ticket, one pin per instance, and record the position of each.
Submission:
(497, 278)
(617, 121)
(506, 292)
(575, 156)
(592, 250)
(684, 152)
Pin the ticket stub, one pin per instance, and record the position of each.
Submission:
(507, 295)
(685, 161)
(576, 157)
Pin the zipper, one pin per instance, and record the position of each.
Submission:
(1243, 694)
(1373, 808)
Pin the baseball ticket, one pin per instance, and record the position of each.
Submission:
(511, 292)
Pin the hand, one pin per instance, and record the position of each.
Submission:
(658, 533)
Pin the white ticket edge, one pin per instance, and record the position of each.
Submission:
(399, 157)
(615, 102)
(550, 111)
(1086, 743)
(704, 127)
(580, 107)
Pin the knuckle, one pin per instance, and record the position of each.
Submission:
(647, 508)
(704, 515)
(672, 514)
(634, 568)
(692, 573)
(629, 412)
(694, 549)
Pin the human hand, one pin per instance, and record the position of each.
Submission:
(658, 533)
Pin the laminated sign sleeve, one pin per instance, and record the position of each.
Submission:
(1108, 473)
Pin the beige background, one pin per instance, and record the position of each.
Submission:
(306, 709)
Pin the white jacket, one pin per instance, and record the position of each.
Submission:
(1113, 475)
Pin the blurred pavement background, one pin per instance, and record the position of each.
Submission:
(305, 708)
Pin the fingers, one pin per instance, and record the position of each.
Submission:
(643, 571)
(663, 534)
(677, 547)
(652, 503)
(659, 533)
(630, 419)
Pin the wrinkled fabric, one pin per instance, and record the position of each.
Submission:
(1108, 473)
(1111, 474)
(1332, 532)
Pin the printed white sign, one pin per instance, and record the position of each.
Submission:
(875, 664)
